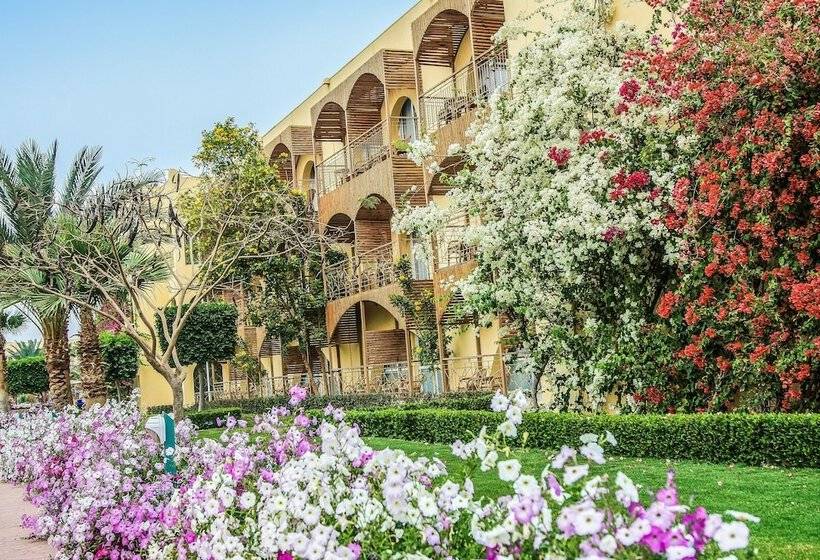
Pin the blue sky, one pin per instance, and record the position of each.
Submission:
(144, 78)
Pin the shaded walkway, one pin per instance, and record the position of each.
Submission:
(14, 541)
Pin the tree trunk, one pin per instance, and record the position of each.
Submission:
(58, 359)
(306, 357)
(4, 396)
(91, 368)
(179, 401)
(200, 377)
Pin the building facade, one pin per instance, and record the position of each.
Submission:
(345, 146)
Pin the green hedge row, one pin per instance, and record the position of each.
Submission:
(207, 418)
(375, 401)
(791, 440)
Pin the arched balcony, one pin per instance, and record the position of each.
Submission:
(457, 63)
(367, 241)
(370, 351)
(282, 159)
(364, 153)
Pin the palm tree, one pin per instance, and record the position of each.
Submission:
(30, 201)
(9, 322)
(26, 349)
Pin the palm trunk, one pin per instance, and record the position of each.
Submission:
(4, 396)
(58, 359)
(91, 368)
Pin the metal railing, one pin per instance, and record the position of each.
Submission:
(333, 172)
(492, 71)
(366, 271)
(364, 152)
(390, 378)
(448, 100)
(474, 373)
(451, 249)
(369, 148)
(465, 89)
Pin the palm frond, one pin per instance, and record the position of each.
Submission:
(84, 171)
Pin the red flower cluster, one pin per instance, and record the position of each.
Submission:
(743, 312)
(559, 156)
(624, 183)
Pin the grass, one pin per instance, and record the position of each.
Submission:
(786, 500)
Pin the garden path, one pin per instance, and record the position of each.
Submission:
(15, 543)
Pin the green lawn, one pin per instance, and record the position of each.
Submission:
(786, 500)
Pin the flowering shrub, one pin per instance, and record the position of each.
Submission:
(741, 324)
(570, 188)
(296, 487)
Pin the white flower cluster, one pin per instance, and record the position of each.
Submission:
(572, 179)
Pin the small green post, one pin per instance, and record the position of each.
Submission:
(170, 445)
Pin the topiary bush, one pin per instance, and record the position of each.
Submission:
(789, 440)
(27, 376)
(120, 357)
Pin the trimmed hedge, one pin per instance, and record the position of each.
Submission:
(789, 440)
(207, 418)
(373, 401)
(27, 376)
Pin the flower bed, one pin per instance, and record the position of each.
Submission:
(314, 490)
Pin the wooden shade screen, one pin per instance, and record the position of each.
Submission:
(438, 32)
(359, 92)
(370, 236)
(486, 18)
(297, 139)
(349, 328)
(282, 159)
(271, 346)
(330, 123)
(385, 347)
(364, 106)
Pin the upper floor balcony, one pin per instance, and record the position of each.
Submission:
(454, 50)
(361, 125)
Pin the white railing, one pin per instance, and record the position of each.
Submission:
(366, 271)
(464, 90)
(333, 172)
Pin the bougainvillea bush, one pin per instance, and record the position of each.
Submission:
(742, 320)
(667, 253)
(300, 488)
(579, 267)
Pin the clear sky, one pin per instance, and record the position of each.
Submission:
(144, 78)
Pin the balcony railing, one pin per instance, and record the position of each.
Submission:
(451, 250)
(366, 271)
(448, 100)
(333, 172)
(464, 90)
(364, 152)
